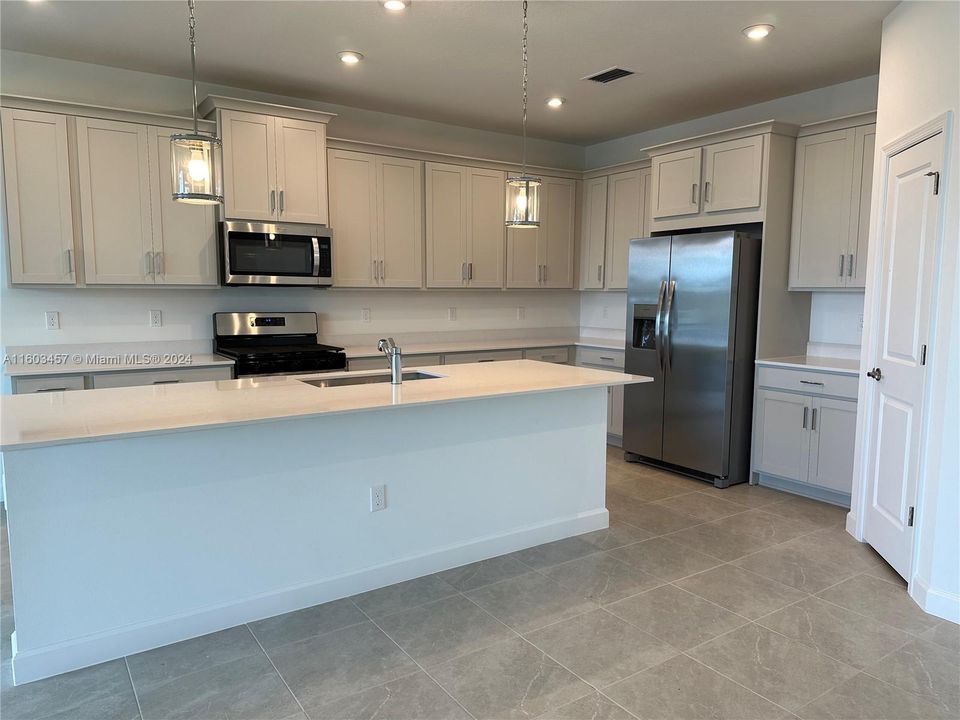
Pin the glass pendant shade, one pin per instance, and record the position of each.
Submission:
(523, 201)
(196, 162)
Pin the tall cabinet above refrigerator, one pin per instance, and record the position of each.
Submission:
(691, 325)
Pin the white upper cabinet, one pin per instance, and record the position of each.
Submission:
(400, 221)
(114, 183)
(465, 227)
(731, 174)
(38, 198)
(593, 234)
(625, 210)
(676, 183)
(831, 205)
(184, 235)
(543, 257)
(274, 168)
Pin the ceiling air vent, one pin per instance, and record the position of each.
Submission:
(609, 75)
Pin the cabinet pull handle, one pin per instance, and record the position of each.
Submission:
(147, 264)
(811, 382)
(382, 272)
(804, 424)
(463, 271)
(850, 266)
(599, 272)
(158, 267)
(693, 194)
(608, 359)
(706, 191)
(281, 201)
(273, 201)
(813, 420)
(68, 258)
(373, 270)
(59, 389)
(470, 270)
(165, 382)
(841, 265)
(544, 273)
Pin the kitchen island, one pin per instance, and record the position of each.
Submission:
(142, 516)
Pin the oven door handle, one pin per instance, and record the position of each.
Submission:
(316, 257)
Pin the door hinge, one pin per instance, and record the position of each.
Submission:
(923, 354)
(936, 181)
(910, 517)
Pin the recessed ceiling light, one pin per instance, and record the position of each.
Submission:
(555, 102)
(350, 57)
(757, 32)
(396, 5)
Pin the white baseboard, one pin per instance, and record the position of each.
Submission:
(52, 660)
(936, 602)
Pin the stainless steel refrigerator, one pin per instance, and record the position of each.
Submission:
(691, 325)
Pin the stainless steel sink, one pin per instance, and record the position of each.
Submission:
(366, 379)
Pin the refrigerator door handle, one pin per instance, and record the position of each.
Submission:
(666, 324)
(658, 325)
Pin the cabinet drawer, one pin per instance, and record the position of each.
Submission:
(160, 377)
(380, 363)
(612, 359)
(51, 383)
(489, 356)
(554, 354)
(809, 382)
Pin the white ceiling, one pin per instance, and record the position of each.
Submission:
(459, 62)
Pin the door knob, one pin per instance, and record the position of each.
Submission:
(875, 374)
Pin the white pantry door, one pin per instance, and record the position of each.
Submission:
(908, 243)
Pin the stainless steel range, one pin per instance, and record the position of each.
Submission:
(274, 343)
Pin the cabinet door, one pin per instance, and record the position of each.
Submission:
(301, 148)
(524, 266)
(781, 437)
(821, 209)
(184, 235)
(624, 221)
(731, 174)
(446, 212)
(486, 229)
(558, 228)
(249, 166)
(865, 144)
(646, 180)
(593, 234)
(39, 205)
(676, 183)
(400, 221)
(114, 178)
(833, 429)
(353, 217)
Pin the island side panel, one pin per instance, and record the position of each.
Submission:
(123, 545)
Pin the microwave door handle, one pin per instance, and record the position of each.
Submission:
(657, 324)
(316, 257)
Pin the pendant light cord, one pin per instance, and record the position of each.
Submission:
(193, 62)
(524, 122)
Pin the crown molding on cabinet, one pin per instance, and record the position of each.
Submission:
(773, 127)
(616, 168)
(840, 123)
(220, 102)
(101, 112)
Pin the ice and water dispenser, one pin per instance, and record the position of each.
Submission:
(645, 327)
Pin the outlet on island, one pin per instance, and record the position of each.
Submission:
(378, 498)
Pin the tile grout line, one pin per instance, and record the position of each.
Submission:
(133, 687)
(411, 658)
(277, 670)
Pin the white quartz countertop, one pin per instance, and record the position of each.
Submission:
(810, 362)
(370, 350)
(78, 363)
(57, 418)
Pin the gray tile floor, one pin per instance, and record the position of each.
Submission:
(696, 603)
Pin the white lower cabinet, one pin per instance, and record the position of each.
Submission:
(81, 381)
(805, 438)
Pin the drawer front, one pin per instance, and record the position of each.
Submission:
(554, 354)
(489, 356)
(809, 382)
(380, 363)
(612, 359)
(160, 377)
(52, 383)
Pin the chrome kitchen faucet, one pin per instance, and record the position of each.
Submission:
(389, 348)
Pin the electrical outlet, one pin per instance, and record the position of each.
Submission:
(521, 312)
(156, 319)
(378, 498)
(364, 314)
(860, 323)
(51, 320)
(451, 313)
(605, 313)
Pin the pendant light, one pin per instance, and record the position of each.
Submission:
(523, 191)
(196, 158)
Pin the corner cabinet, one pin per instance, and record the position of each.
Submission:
(543, 257)
(831, 204)
(714, 180)
(38, 198)
(804, 431)
(376, 209)
(465, 232)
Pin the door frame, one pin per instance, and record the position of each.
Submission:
(856, 519)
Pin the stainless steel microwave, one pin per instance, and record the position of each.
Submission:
(275, 254)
